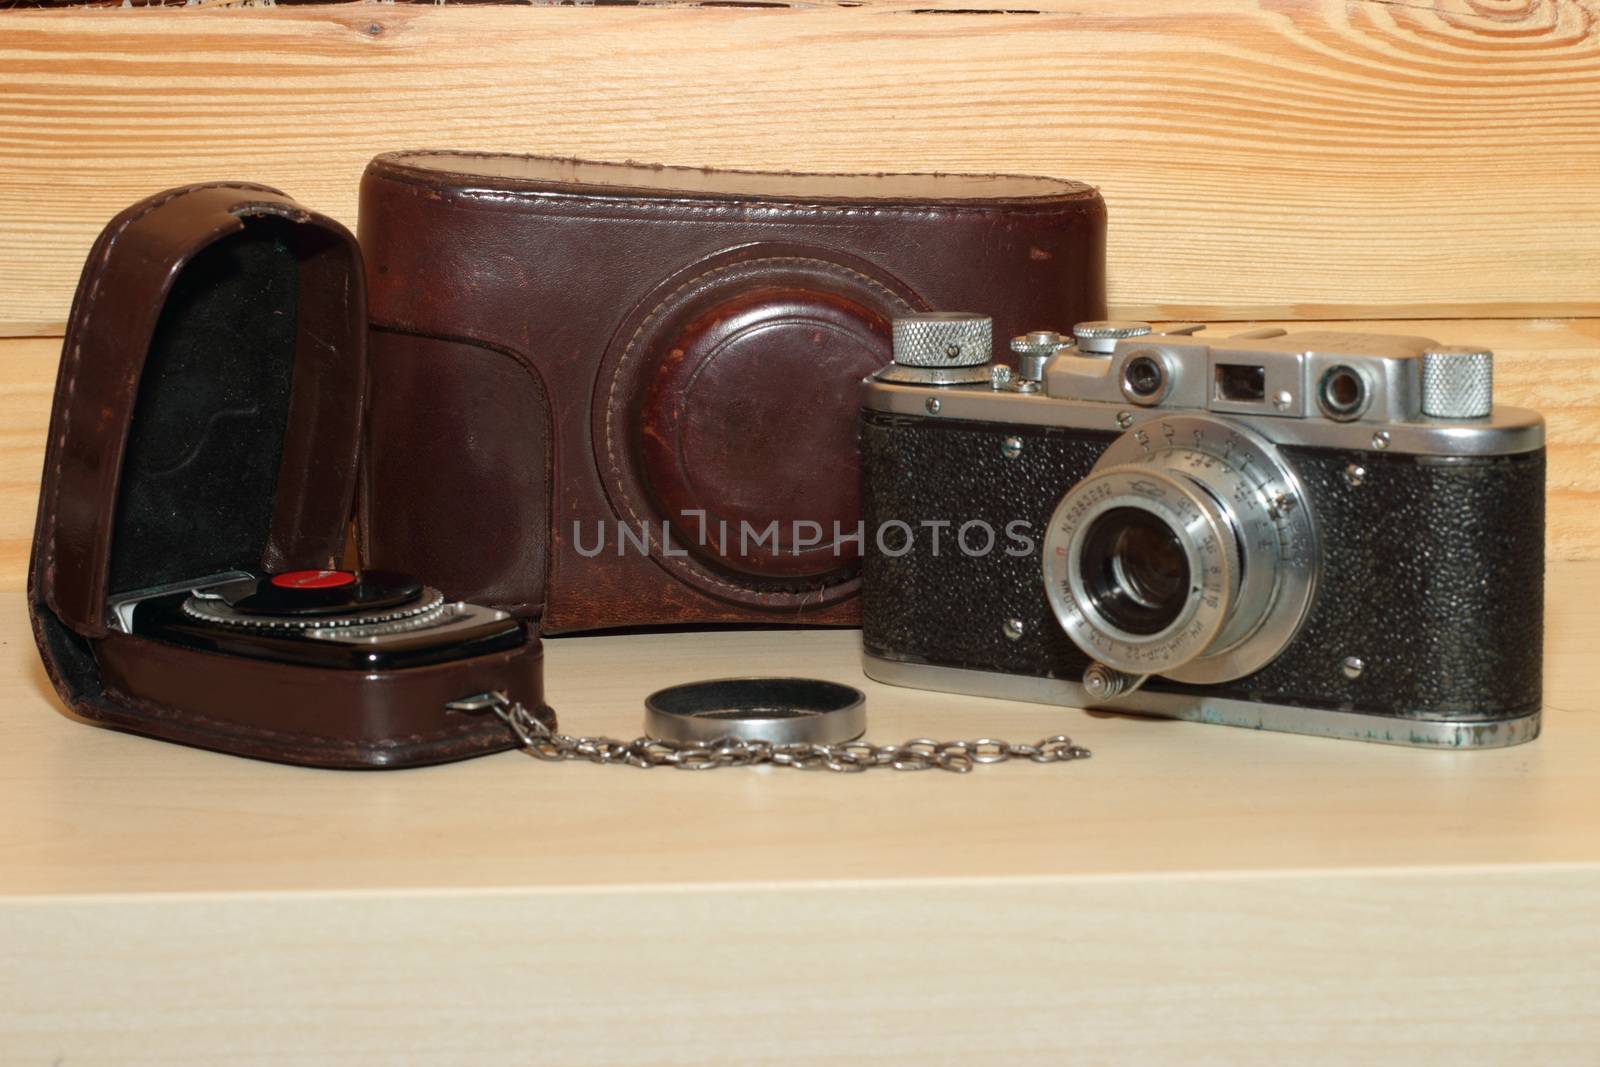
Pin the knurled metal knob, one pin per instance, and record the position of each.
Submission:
(1035, 350)
(943, 339)
(1101, 337)
(1040, 343)
(1457, 382)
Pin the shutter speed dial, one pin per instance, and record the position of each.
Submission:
(941, 348)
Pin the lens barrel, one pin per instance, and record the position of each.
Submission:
(1188, 552)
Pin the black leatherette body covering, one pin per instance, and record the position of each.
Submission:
(1432, 570)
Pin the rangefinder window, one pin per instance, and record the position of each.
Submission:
(1241, 382)
(1342, 394)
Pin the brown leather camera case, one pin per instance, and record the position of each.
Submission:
(207, 417)
(563, 350)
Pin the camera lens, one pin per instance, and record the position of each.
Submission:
(1135, 571)
(1143, 379)
(1188, 552)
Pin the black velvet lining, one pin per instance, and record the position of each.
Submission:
(201, 469)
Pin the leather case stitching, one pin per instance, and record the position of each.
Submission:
(80, 328)
(612, 462)
(550, 200)
(476, 188)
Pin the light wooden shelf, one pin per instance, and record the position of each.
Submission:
(1191, 894)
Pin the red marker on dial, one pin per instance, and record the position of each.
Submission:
(312, 579)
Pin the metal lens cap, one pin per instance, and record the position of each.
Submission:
(780, 711)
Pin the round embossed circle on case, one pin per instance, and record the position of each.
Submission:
(724, 411)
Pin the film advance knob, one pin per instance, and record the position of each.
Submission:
(943, 339)
(1100, 338)
(1457, 382)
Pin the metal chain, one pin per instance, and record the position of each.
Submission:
(918, 754)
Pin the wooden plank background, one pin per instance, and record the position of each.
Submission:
(1261, 158)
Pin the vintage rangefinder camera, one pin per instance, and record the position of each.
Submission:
(1321, 532)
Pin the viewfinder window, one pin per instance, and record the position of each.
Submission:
(1241, 382)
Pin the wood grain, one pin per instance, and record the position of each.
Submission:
(1462, 969)
(1550, 365)
(1265, 898)
(27, 385)
(1261, 158)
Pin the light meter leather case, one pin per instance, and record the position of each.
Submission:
(196, 498)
